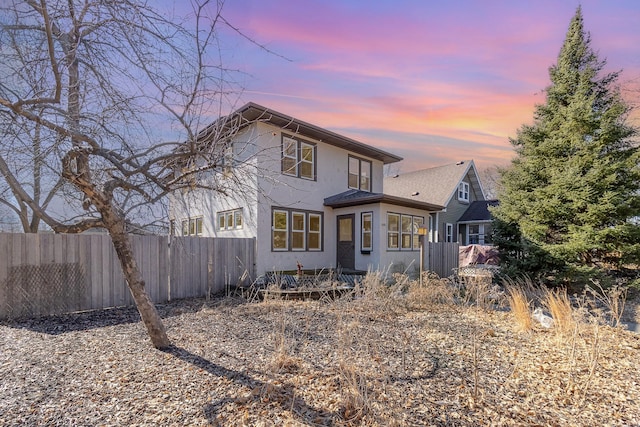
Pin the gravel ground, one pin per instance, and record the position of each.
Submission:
(388, 362)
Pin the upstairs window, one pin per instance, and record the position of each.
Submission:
(298, 158)
(227, 159)
(463, 192)
(359, 174)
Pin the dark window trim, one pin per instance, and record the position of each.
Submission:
(299, 143)
(306, 213)
(360, 160)
(413, 235)
(363, 250)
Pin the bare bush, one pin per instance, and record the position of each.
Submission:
(613, 299)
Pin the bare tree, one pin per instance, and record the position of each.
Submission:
(109, 80)
(22, 156)
(490, 177)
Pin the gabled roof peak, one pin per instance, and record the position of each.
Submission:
(435, 185)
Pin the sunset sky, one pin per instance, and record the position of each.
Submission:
(432, 81)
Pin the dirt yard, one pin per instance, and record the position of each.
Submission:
(387, 358)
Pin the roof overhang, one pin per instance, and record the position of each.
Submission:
(365, 199)
(252, 112)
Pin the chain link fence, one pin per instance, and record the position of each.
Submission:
(35, 290)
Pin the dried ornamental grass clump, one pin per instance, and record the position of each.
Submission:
(558, 304)
(520, 304)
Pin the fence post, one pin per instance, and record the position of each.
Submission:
(169, 270)
(209, 276)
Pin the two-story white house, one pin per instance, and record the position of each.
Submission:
(308, 195)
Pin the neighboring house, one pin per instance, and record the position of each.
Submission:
(457, 187)
(475, 224)
(308, 196)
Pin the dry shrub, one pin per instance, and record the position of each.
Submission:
(354, 393)
(477, 290)
(283, 359)
(613, 299)
(376, 294)
(520, 306)
(557, 302)
(431, 291)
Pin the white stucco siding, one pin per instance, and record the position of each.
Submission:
(331, 176)
(278, 190)
(395, 260)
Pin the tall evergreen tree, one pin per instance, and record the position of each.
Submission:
(570, 194)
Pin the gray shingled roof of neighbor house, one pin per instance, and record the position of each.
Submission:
(433, 185)
(478, 211)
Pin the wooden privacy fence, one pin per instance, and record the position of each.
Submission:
(442, 257)
(44, 274)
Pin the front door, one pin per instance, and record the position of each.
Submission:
(346, 241)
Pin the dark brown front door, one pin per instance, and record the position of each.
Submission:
(346, 241)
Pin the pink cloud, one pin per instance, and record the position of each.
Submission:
(422, 73)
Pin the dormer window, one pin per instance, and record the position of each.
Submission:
(359, 174)
(463, 192)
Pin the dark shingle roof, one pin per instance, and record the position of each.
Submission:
(478, 211)
(358, 197)
(434, 185)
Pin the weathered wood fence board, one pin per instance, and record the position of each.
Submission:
(42, 274)
(443, 257)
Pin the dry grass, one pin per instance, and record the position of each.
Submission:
(558, 304)
(612, 299)
(397, 352)
(431, 292)
(478, 290)
(520, 306)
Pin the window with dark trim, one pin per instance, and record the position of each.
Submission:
(359, 174)
(230, 220)
(402, 231)
(296, 230)
(366, 237)
(298, 158)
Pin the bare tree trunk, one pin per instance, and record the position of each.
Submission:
(115, 224)
(146, 308)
